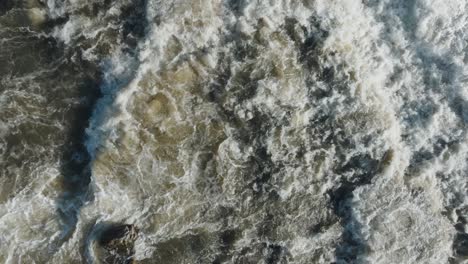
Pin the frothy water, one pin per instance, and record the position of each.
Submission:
(234, 131)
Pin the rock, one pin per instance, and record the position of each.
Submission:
(117, 244)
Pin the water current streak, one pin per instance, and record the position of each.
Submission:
(76, 160)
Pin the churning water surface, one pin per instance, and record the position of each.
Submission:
(236, 131)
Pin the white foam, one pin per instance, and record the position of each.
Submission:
(397, 92)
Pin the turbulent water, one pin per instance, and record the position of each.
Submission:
(236, 131)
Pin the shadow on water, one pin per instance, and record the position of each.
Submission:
(76, 161)
(352, 245)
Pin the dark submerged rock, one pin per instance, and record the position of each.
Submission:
(117, 244)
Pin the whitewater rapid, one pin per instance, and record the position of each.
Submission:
(237, 131)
